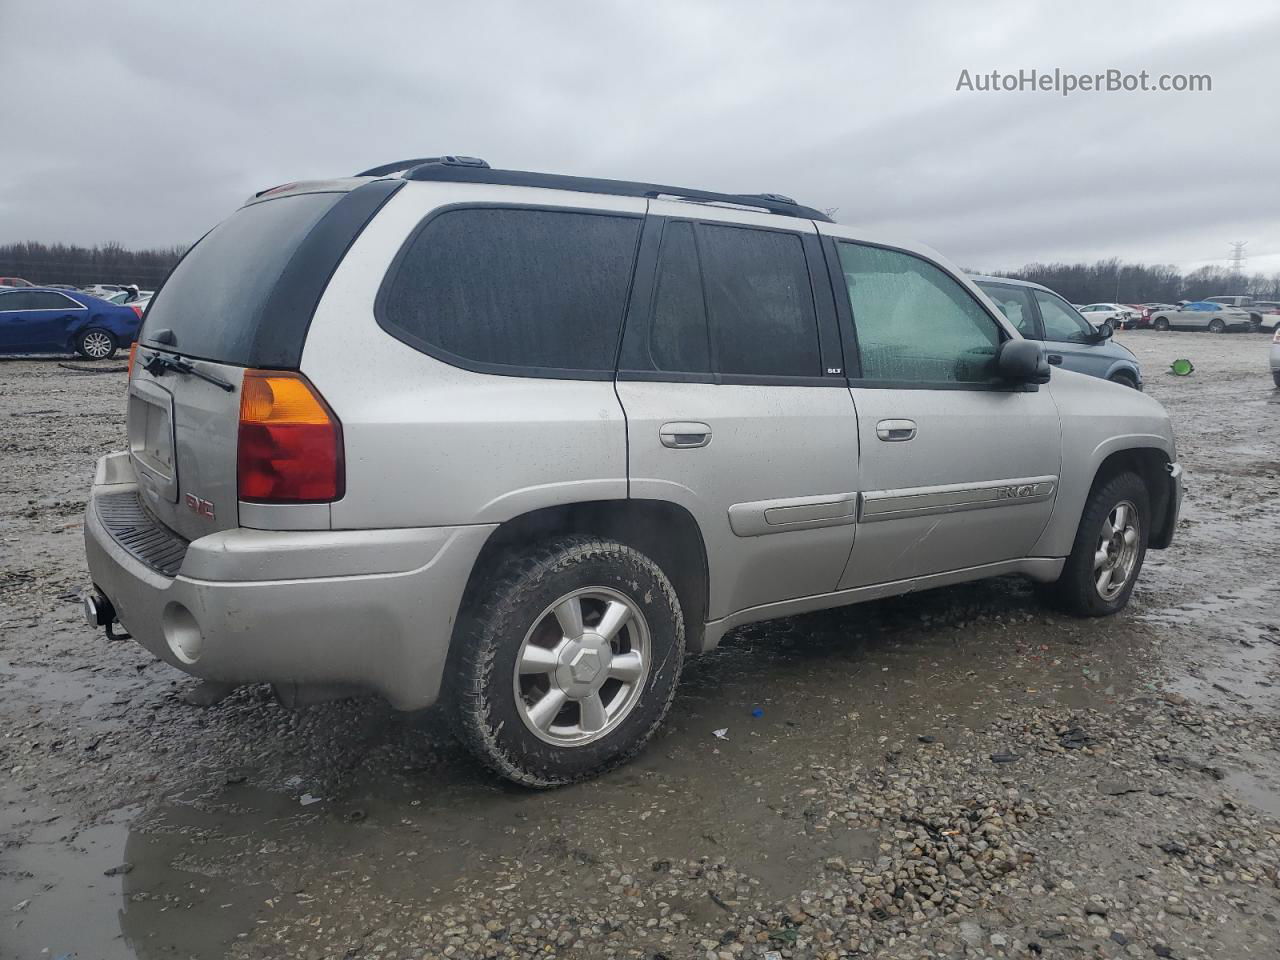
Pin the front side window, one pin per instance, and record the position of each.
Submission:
(915, 323)
(1015, 304)
(1061, 323)
(540, 289)
(759, 302)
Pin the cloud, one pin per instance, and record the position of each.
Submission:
(146, 123)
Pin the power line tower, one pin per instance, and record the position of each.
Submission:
(1238, 257)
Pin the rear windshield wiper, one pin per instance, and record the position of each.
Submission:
(156, 364)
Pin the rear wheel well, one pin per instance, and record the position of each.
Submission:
(663, 531)
(1152, 465)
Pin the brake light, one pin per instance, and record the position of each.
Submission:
(133, 352)
(136, 309)
(290, 443)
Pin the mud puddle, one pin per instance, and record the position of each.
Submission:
(239, 849)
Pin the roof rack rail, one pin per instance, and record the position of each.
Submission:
(441, 169)
(453, 161)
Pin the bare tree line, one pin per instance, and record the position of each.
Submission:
(1105, 280)
(80, 266)
(1112, 281)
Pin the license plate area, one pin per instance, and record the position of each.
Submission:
(151, 440)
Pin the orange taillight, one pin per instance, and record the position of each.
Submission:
(133, 352)
(290, 443)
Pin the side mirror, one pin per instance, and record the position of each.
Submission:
(1022, 361)
(1105, 330)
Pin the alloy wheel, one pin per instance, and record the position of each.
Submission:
(1116, 557)
(582, 666)
(96, 344)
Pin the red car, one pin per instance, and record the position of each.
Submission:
(15, 282)
(1143, 318)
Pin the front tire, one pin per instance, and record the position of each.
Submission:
(566, 659)
(95, 344)
(1109, 548)
(1275, 375)
(1217, 326)
(1160, 323)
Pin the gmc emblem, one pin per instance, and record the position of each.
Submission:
(202, 508)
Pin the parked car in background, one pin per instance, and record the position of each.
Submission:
(15, 282)
(1243, 303)
(1269, 310)
(129, 296)
(40, 320)
(1116, 314)
(1202, 315)
(632, 404)
(1275, 357)
(135, 301)
(1071, 341)
(1143, 318)
(102, 290)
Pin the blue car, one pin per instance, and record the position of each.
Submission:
(43, 320)
(1070, 340)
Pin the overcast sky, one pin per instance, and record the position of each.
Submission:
(147, 122)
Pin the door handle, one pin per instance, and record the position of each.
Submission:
(1055, 359)
(896, 431)
(685, 435)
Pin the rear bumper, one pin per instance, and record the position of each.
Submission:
(370, 609)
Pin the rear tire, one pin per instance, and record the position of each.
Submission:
(95, 344)
(1125, 380)
(1275, 375)
(1160, 323)
(1109, 548)
(565, 660)
(1217, 326)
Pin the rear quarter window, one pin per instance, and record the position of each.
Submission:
(514, 291)
(215, 299)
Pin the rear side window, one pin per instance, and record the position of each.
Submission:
(52, 301)
(215, 299)
(759, 302)
(539, 290)
(678, 332)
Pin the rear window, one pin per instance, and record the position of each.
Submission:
(215, 299)
(514, 290)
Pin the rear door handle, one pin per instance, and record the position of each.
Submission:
(896, 431)
(684, 434)
(1055, 359)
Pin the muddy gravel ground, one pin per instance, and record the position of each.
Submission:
(960, 773)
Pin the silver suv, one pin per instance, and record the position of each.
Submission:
(520, 443)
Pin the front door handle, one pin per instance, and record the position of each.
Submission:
(1055, 359)
(685, 435)
(896, 431)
